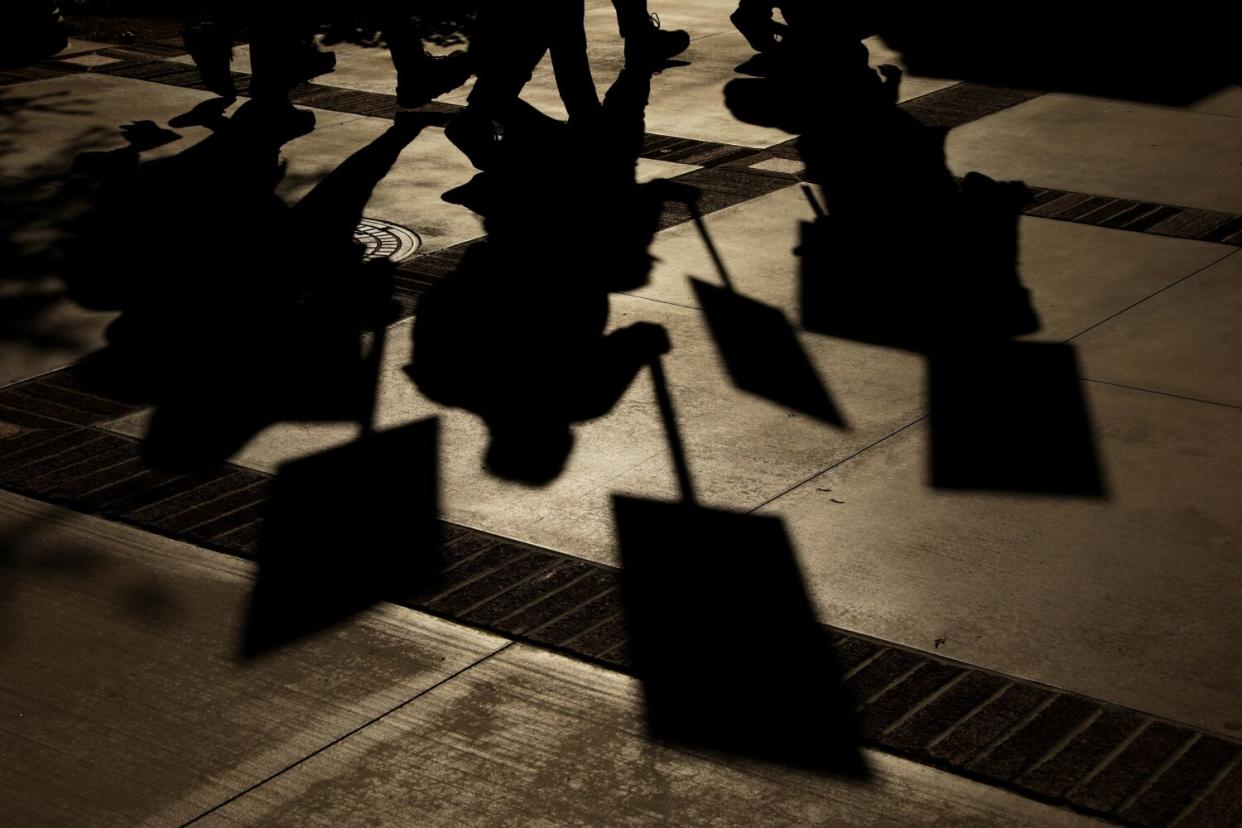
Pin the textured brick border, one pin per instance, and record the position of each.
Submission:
(1056, 746)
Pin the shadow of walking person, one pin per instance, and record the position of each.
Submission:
(905, 255)
(517, 334)
(237, 310)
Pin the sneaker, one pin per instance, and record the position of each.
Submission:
(436, 76)
(655, 46)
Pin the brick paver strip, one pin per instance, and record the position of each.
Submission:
(1057, 746)
(1125, 773)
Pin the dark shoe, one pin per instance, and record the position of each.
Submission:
(436, 76)
(655, 46)
(212, 52)
(313, 62)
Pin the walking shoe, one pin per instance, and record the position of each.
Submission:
(655, 46)
(212, 52)
(313, 62)
(434, 77)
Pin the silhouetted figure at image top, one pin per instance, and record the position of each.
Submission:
(517, 333)
(30, 30)
(282, 55)
(1185, 52)
(508, 43)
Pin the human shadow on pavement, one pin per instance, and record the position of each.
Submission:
(355, 525)
(236, 310)
(517, 334)
(903, 255)
(723, 635)
(38, 212)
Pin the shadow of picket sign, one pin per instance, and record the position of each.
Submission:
(759, 347)
(1012, 417)
(722, 631)
(347, 528)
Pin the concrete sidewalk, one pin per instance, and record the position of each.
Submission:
(1114, 614)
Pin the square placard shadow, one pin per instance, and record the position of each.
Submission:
(346, 528)
(762, 353)
(725, 641)
(1011, 417)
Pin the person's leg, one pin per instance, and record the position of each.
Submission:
(208, 37)
(569, 60)
(420, 76)
(506, 47)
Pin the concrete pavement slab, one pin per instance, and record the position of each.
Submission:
(1126, 599)
(531, 738)
(1108, 147)
(124, 699)
(1183, 341)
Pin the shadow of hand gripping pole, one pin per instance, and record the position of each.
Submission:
(723, 634)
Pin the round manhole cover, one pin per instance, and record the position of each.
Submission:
(385, 240)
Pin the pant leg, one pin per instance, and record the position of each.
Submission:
(569, 58)
(274, 50)
(507, 46)
(403, 35)
(632, 16)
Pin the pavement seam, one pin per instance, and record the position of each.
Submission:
(840, 462)
(347, 735)
(1151, 296)
(1161, 393)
